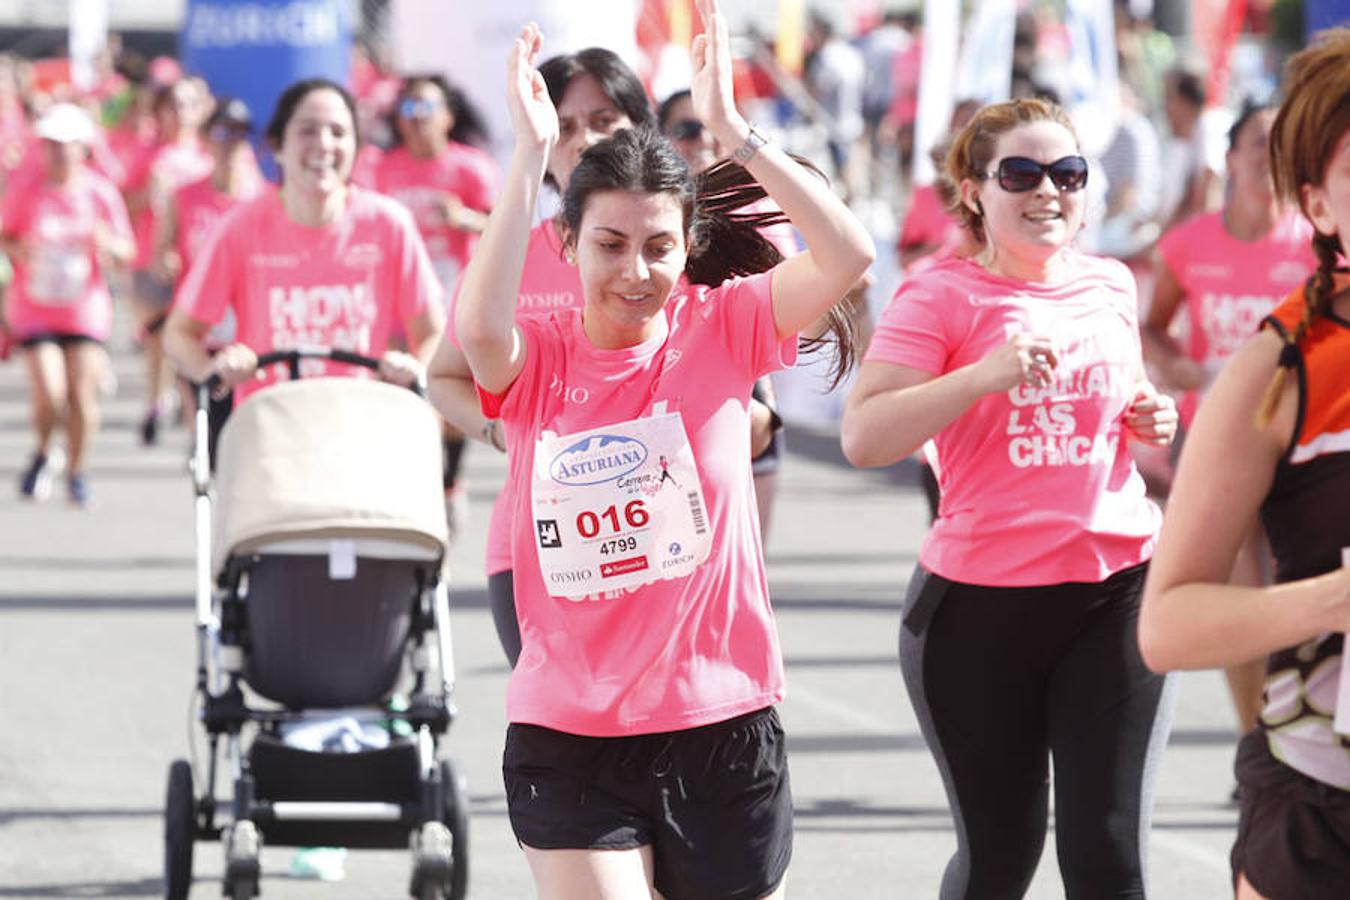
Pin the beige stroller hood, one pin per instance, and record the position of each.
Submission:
(328, 458)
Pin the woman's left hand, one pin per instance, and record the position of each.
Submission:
(1152, 417)
(711, 88)
(402, 369)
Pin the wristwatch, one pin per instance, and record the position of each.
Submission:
(746, 152)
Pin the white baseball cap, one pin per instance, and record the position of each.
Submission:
(65, 123)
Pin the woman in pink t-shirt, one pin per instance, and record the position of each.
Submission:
(1023, 364)
(177, 157)
(448, 185)
(317, 262)
(650, 665)
(595, 94)
(62, 231)
(1228, 270)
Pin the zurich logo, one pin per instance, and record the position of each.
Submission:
(597, 459)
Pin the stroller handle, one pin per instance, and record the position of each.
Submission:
(293, 356)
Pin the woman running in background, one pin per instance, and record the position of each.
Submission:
(62, 233)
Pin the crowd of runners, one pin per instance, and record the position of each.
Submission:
(618, 353)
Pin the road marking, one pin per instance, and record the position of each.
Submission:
(1185, 847)
(832, 707)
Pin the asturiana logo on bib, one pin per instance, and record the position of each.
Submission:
(597, 459)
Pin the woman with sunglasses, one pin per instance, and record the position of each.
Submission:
(1227, 270)
(448, 184)
(1018, 646)
(1270, 443)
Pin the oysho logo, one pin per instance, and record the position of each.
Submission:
(296, 24)
(597, 459)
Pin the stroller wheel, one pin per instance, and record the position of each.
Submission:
(242, 848)
(456, 818)
(180, 831)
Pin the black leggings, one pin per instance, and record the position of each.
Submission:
(1002, 680)
(502, 599)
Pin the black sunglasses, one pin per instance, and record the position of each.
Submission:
(1017, 174)
(686, 129)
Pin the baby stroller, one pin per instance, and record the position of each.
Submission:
(319, 557)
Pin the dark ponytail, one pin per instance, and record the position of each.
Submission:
(724, 241)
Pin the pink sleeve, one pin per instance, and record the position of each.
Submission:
(415, 283)
(519, 398)
(915, 329)
(484, 177)
(743, 308)
(1171, 246)
(213, 280)
(14, 209)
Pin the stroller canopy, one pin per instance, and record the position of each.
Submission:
(328, 458)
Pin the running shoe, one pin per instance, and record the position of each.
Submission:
(36, 483)
(321, 863)
(150, 428)
(77, 489)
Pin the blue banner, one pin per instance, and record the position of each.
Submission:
(253, 49)
(1319, 14)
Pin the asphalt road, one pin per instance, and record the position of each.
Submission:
(96, 674)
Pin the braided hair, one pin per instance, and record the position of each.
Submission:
(1313, 117)
(724, 241)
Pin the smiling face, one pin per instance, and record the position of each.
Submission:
(1328, 204)
(585, 115)
(1031, 226)
(630, 250)
(318, 145)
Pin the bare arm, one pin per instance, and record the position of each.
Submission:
(486, 309)
(451, 391)
(838, 248)
(1192, 618)
(1160, 348)
(893, 409)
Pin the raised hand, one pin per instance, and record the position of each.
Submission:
(711, 88)
(532, 112)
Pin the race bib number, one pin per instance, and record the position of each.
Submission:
(618, 507)
(58, 274)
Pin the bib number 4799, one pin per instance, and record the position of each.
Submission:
(634, 515)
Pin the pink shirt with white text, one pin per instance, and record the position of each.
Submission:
(343, 285)
(1038, 486)
(1232, 285)
(676, 653)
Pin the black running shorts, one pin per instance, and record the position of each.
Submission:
(713, 802)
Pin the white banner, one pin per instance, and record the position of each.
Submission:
(1092, 89)
(469, 46)
(941, 34)
(88, 38)
(985, 70)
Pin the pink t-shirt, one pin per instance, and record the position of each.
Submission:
(59, 285)
(163, 167)
(343, 285)
(199, 208)
(422, 184)
(1231, 285)
(671, 654)
(1038, 486)
(928, 222)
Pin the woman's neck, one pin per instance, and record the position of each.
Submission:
(1250, 221)
(314, 210)
(1051, 270)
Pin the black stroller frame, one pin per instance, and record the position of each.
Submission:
(398, 796)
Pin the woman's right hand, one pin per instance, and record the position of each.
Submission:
(1024, 359)
(532, 112)
(232, 365)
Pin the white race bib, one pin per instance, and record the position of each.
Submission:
(58, 273)
(618, 506)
